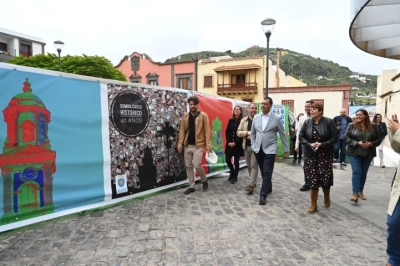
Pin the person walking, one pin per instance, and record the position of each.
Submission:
(264, 143)
(233, 147)
(244, 131)
(319, 135)
(362, 138)
(307, 107)
(194, 136)
(341, 121)
(294, 128)
(393, 213)
(377, 120)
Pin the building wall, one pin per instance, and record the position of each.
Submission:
(167, 73)
(293, 82)
(37, 48)
(185, 68)
(388, 102)
(384, 82)
(206, 68)
(334, 97)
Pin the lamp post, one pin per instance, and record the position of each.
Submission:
(59, 46)
(268, 25)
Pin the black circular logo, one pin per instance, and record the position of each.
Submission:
(130, 113)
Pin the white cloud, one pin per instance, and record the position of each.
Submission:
(165, 29)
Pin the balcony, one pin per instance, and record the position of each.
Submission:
(7, 55)
(239, 88)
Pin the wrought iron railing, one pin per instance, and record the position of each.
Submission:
(238, 87)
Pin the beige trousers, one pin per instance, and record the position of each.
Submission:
(193, 157)
(252, 165)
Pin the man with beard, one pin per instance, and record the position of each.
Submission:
(244, 131)
(194, 135)
(341, 121)
(264, 143)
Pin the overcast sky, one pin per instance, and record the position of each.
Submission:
(167, 28)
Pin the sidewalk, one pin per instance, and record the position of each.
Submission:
(222, 226)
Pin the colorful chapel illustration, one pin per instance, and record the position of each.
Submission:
(27, 162)
(217, 144)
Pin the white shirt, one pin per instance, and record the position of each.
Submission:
(301, 122)
(264, 120)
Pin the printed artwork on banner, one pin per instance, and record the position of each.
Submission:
(219, 111)
(120, 184)
(282, 111)
(46, 151)
(144, 125)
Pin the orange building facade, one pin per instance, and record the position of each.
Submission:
(140, 68)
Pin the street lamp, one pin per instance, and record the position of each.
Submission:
(59, 45)
(268, 26)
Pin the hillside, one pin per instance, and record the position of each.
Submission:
(311, 70)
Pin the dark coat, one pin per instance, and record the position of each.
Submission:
(326, 129)
(351, 138)
(231, 136)
(382, 129)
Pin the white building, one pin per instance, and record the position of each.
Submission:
(14, 44)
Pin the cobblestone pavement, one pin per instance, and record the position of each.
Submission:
(222, 226)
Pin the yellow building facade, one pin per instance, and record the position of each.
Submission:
(240, 78)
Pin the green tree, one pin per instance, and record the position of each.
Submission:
(94, 66)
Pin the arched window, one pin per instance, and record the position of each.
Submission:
(28, 131)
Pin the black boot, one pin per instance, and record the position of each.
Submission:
(234, 179)
(230, 178)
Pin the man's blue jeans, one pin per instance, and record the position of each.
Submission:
(359, 166)
(340, 145)
(393, 239)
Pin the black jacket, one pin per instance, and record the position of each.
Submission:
(351, 139)
(326, 129)
(382, 129)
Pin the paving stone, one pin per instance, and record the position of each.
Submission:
(221, 227)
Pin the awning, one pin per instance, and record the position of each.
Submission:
(236, 67)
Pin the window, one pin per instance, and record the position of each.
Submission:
(25, 50)
(208, 82)
(184, 81)
(135, 78)
(28, 131)
(3, 46)
(152, 79)
(247, 100)
(238, 79)
(386, 108)
(289, 103)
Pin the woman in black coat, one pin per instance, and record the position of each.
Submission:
(377, 120)
(233, 146)
(319, 135)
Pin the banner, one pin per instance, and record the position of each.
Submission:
(219, 111)
(143, 130)
(72, 143)
(53, 151)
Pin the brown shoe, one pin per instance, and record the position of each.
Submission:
(250, 190)
(354, 198)
(314, 198)
(361, 195)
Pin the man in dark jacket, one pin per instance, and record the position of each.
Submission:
(341, 122)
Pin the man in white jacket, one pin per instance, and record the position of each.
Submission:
(393, 217)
